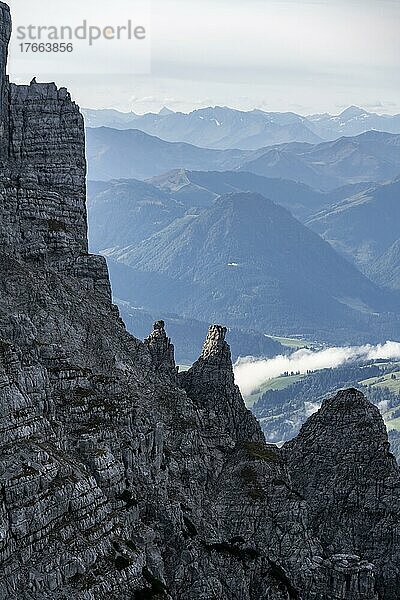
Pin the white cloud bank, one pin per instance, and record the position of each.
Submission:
(250, 372)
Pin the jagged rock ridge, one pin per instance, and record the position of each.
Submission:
(119, 477)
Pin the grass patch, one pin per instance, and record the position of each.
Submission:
(390, 381)
(278, 383)
(260, 451)
(395, 424)
(291, 342)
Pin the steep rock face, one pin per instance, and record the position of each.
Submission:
(48, 169)
(120, 479)
(43, 168)
(211, 380)
(161, 350)
(346, 577)
(250, 485)
(5, 32)
(341, 464)
(111, 485)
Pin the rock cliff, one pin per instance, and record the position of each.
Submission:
(119, 477)
(342, 465)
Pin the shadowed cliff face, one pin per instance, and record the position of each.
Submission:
(120, 478)
(5, 32)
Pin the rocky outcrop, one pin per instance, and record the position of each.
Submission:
(116, 482)
(341, 464)
(121, 479)
(48, 169)
(43, 163)
(210, 384)
(109, 485)
(162, 351)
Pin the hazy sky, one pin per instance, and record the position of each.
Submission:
(300, 55)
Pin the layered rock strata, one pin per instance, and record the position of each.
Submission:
(119, 477)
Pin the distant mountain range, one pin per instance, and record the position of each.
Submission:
(130, 153)
(170, 216)
(224, 128)
(370, 157)
(247, 262)
(201, 188)
(365, 228)
(123, 212)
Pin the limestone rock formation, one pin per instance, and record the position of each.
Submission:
(121, 479)
(44, 217)
(342, 465)
(210, 384)
(110, 486)
(161, 350)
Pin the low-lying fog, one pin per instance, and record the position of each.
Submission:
(251, 372)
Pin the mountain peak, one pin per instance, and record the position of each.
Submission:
(346, 408)
(215, 344)
(161, 349)
(346, 401)
(353, 111)
(165, 111)
(244, 200)
(342, 466)
(172, 180)
(211, 378)
(214, 364)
